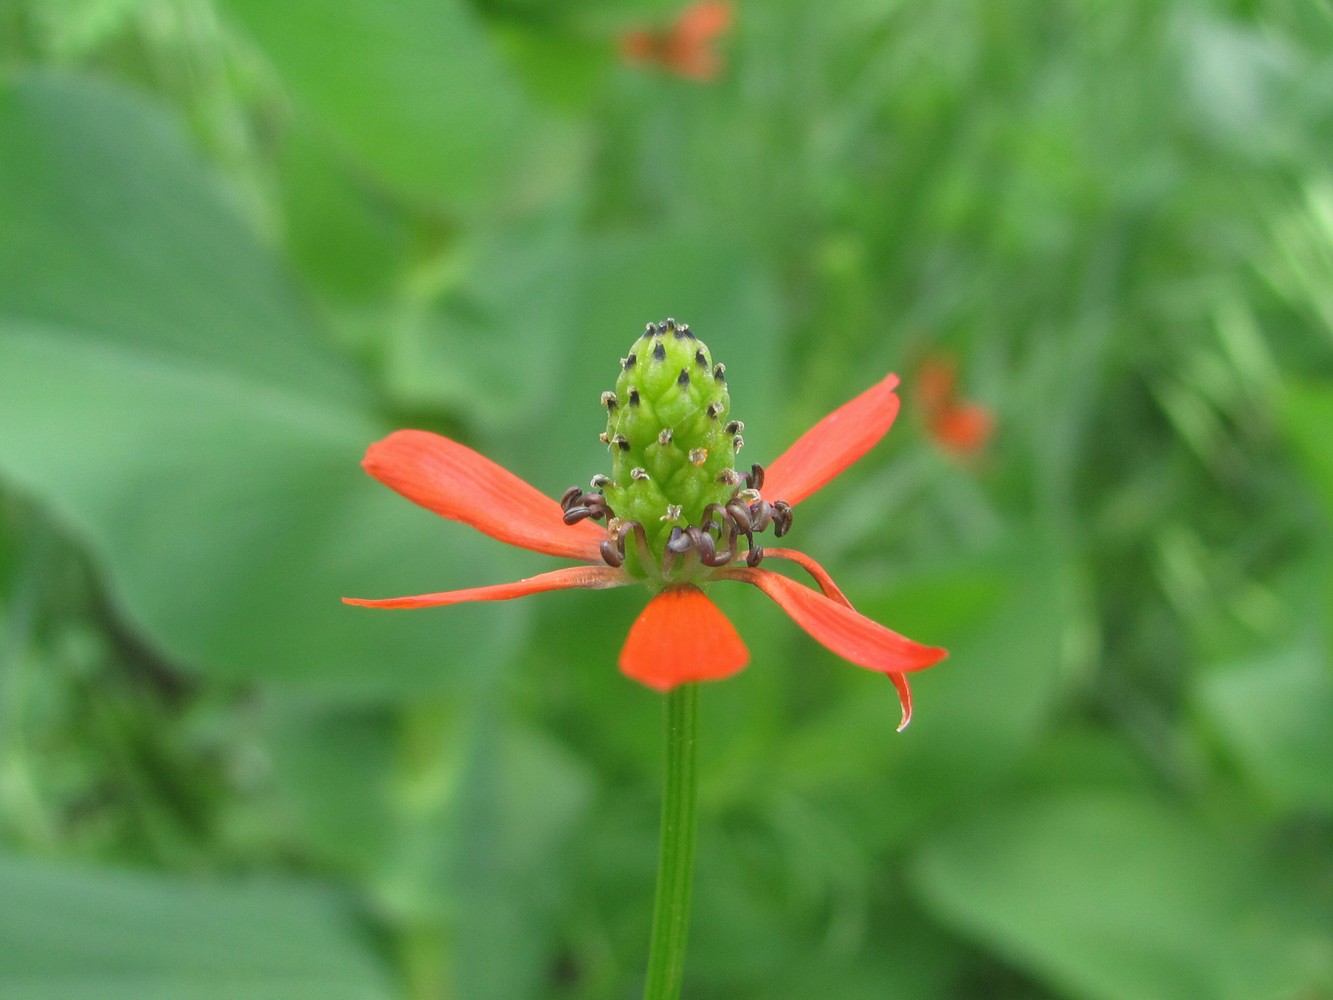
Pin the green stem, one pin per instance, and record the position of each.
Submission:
(675, 868)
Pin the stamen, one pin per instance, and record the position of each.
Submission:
(604, 438)
(621, 442)
(698, 456)
(729, 477)
(756, 476)
(659, 351)
(569, 496)
(611, 555)
(755, 556)
(684, 378)
(781, 518)
(634, 397)
(600, 482)
(664, 436)
(738, 442)
(650, 331)
(576, 514)
(685, 332)
(672, 513)
(719, 372)
(735, 426)
(714, 410)
(639, 472)
(628, 363)
(699, 358)
(609, 400)
(741, 515)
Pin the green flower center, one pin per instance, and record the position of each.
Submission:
(675, 505)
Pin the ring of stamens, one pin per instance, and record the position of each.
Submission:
(713, 543)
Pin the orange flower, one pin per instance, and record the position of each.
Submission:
(680, 636)
(684, 48)
(957, 427)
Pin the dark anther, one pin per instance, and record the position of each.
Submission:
(761, 515)
(600, 481)
(714, 410)
(704, 543)
(621, 442)
(634, 397)
(671, 323)
(781, 518)
(629, 362)
(738, 442)
(685, 332)
(664, 436)
(720, 372)
(755, 556)
(659, 351)
(740, 514)
(609, 400)
(684, 378)
(611, 554)
(596, 503)
(679, 542)
(574, 515)
(604, 438)
(699, 358)
(569, 496)
(756, 476)
(735, 427)
(650, 330)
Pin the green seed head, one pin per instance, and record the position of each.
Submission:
(672, 442)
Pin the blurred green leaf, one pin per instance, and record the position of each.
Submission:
(1308, 414)
(1120, 898)
(1275, 713)
(70, 933)
(416, 91)
(163, 389)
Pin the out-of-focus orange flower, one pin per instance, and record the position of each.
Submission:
(684, 47)
(957, 427)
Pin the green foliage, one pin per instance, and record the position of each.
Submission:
(239, 241)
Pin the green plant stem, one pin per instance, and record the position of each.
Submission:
(675, 868)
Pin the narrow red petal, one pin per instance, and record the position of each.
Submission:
(456, 482)
(832, 444)
(680, 637)
(833, 592)
(838, 628)
(820, 574)
(586, 577)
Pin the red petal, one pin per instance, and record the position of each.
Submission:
(832, 444)
(817, 571)
(832, 591)
(838, 628)
(587, 577)
(681, 636)
(456, 482)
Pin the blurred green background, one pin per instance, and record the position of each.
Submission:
(240, 240)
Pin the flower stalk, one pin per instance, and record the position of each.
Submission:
(675, 867)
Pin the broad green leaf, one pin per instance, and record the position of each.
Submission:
(415, 90)
(1275, 713)
(165, 393)
(1117, 897)
(79, 933)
